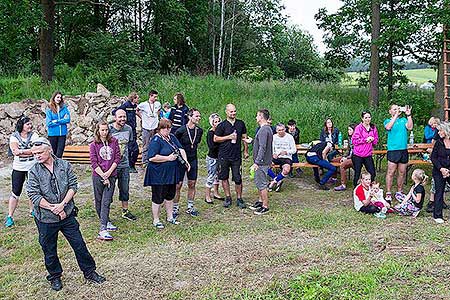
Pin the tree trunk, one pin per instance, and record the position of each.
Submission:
(46, 40)
(141, 40)
(212, 34)
(439, 90)
(222, 24)
(390, 71)
(230, 54)
(375, 56)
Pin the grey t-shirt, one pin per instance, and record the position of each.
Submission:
(262, 146)
(123, 135)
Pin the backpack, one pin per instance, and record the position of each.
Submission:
(22, 144)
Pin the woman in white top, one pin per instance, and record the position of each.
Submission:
(20, 145)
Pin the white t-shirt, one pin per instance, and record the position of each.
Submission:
(285, 143)
(22, 163)
(150, 114)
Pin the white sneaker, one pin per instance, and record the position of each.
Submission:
(104, 236)
(110, 227)
(439, 221)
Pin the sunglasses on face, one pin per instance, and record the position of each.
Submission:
(37, 144)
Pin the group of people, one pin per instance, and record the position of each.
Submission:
(171, 137)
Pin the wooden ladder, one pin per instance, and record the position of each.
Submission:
(446, 60)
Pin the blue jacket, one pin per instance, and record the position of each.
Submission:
(57, 122)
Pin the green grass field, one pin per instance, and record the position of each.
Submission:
(417, 76)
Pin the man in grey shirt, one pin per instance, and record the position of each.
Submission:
(51, 187)
(262, 159)
(123, 133)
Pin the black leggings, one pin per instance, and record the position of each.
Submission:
(358, 162)
(370, 209)
(58, 143)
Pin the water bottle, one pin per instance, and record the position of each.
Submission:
(252, 173)
(233, 141)
(340, 140)
(411, 138)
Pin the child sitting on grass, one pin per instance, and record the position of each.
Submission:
(377, 196)
(413, 202)
(363, 197)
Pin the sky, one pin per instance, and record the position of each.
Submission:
(302, 13)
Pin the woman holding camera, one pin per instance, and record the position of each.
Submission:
(165, 157)
(397, 148)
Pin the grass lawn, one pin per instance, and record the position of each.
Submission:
(312, 245)
(417, 76)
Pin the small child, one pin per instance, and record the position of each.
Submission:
(165, 112)
(413, 202)
(377, 196)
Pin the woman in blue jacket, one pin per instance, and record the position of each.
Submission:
(57, 116)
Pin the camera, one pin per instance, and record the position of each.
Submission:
(180, 158)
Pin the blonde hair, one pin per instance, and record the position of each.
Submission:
(212, 117)
(420, 175)
(433, 120)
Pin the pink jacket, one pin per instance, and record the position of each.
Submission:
(361, 147)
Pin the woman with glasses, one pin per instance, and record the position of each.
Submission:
(104, 153)
(165, 157)
(364, 139)
(57, 116)
(20, 145)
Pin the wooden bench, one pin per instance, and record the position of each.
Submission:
(80, 154)
(306, 165)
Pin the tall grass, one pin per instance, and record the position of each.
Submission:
(307, 103)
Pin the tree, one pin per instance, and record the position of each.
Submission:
(46, 40)
(374, 55)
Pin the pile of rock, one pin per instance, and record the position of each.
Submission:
(85, 111)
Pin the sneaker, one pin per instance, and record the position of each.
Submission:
(218, 198)
(271, 185)
(261, 211)
(323, 187)
(256, 206)
(56, 284)
(439, 221)
(291, 174)
(278, 186)
(9, 222)
(31, 215)
(240, 203)
(430, 207)
(227, 202)
(128, 215)
(159, 225)
(192, 211)
(95, 278)
(175, 213)
(332, 180)
(340, 188)
(133, 170)
(415, 214)
(173, 221)
(104, 236)
(379, 215)
(110, 227)
(399, 196)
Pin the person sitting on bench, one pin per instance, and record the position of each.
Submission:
(317, 156)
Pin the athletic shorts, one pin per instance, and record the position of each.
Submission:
(398, 156)
(224, 170)
(163, 192)
(282, 161)
(193, 171)
(261, 181)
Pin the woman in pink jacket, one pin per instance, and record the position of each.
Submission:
(363, 139)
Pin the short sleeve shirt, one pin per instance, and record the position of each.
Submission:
(190, 146)
(227, 149)
(150, 114)
(165, 172)
(419, 189)
(23, 164)
(397, 137)
(124, 135)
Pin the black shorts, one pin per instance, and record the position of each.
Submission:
(282, 161)
(224, 170)
(17, 180)
(398, 156)
(193, 172)
(163, 192)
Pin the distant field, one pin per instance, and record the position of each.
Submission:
(416, 76)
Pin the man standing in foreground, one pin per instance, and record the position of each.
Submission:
(124, 134)
(51, 187)
(262, 159)
(229, 134)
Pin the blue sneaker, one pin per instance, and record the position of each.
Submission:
(192, 211)
(9, 222)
